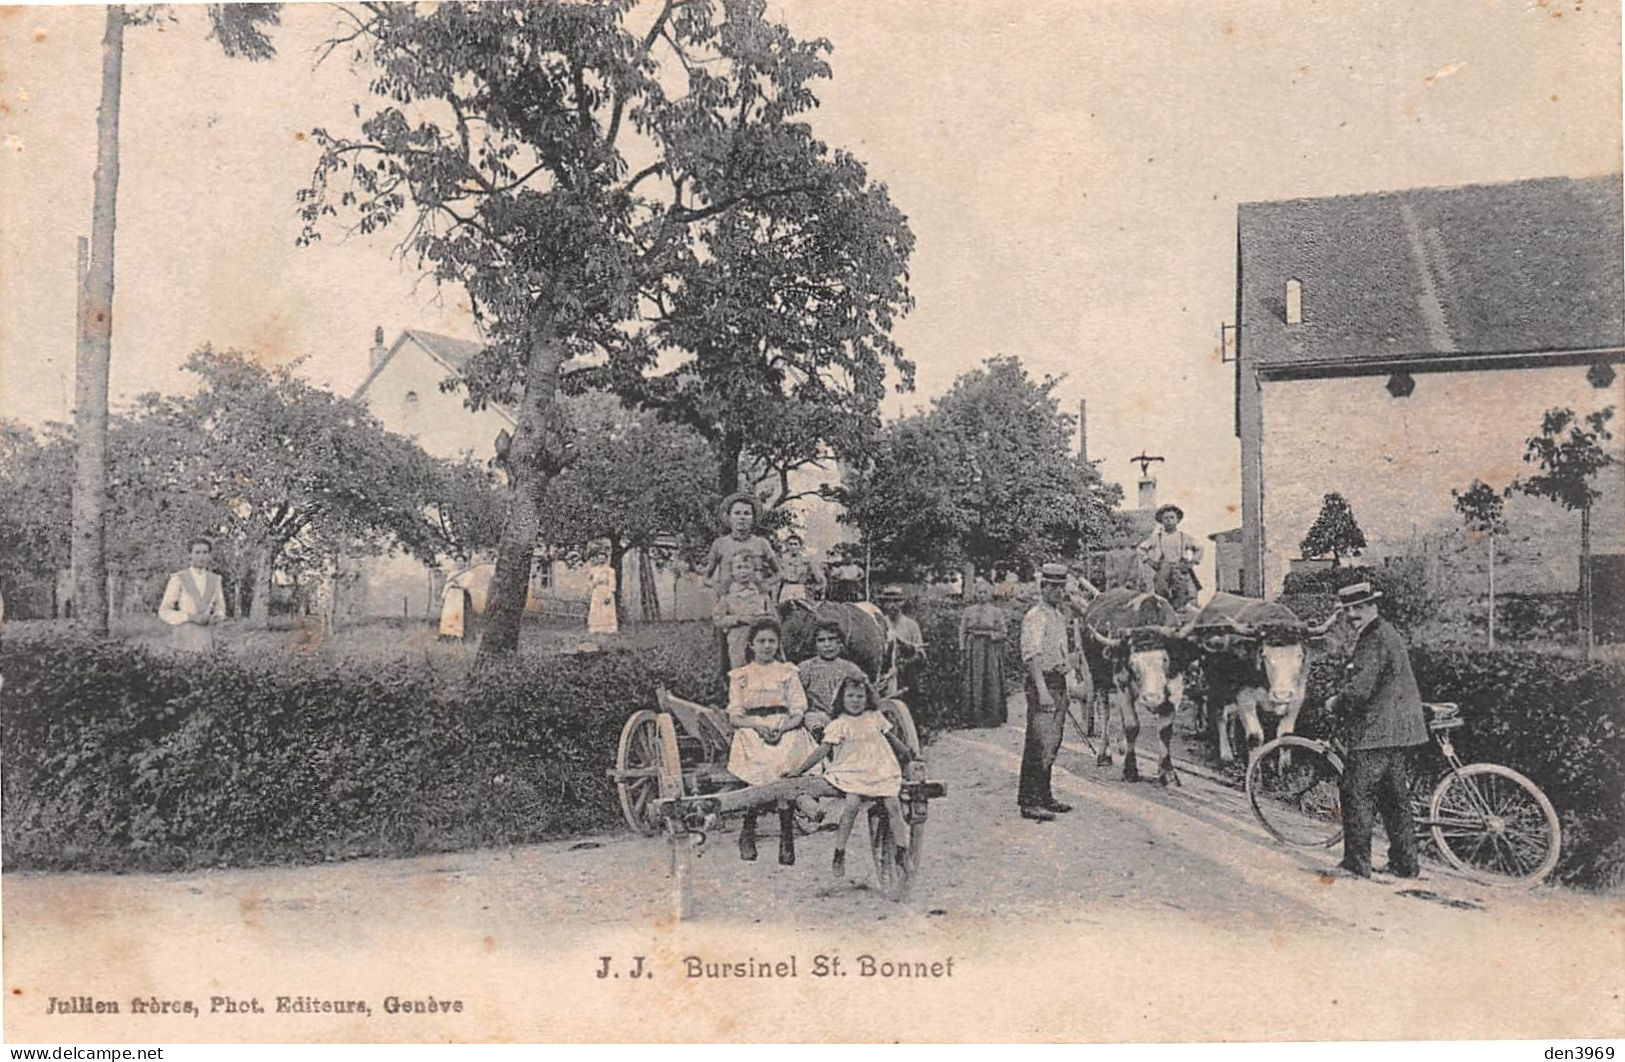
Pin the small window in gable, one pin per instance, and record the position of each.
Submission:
(1294, 302)
(411, 399)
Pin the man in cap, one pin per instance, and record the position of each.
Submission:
(1044, 652)
(1172, 555)
(1379, 715)
(908, 641)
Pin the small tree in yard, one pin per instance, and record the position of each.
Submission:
(1569, 452)
(1335, 531)
(1481, 508)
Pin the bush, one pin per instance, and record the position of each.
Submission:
(118, 758)
(940, 708)
(1555, 719)
(1403, 585)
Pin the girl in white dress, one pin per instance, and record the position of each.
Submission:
(767, 707)
(865, 762)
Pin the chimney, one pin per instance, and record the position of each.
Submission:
(1083, 431)
(378, 351)
(1148, 493)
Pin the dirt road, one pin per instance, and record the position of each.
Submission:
(1146, 914)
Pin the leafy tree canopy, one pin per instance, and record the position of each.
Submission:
(1568, 451)
(1334, 531)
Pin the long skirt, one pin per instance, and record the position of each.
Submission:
(754, 761)
(981, 688)
(601, 611)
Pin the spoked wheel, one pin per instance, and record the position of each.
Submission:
(640, 762)
(1292, 783)
(1495, 825)
(894, 870)
(902, 721)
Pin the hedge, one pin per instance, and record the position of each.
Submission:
(119, 758)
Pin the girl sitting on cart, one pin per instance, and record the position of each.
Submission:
(823, 674)
(767, 706)
(865, 763)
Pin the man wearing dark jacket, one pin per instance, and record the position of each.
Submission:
(1380, 716)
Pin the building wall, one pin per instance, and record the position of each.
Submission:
(407, 398)
(1396, 461)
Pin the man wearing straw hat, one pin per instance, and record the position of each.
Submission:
(1044, 652)
(1379, 713)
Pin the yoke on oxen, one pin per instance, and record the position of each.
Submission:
(1134, 641)
(1254, 658)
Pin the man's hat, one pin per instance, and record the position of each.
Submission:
(728, 503)
(1356, 594)
(794, 537)
(892, 592)
(1168, 508)
(1052, 573)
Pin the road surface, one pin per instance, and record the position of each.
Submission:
(1146, 914)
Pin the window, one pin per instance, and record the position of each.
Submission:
(411, 399)
(541, 573)
(1294, 302)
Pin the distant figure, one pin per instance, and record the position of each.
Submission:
(801, 578)
(601, 617)
(193, 601)
(846, 582)
(982, 630)
(456, 609)
(908, 645)
(1172, 556)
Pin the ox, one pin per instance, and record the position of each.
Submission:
(1133, 656)
(1255, 659)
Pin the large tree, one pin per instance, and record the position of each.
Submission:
(986, 480)
(635, 481)
(239, 29)
(1569, 452)
(568, 165)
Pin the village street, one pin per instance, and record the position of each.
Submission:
(1147, 914)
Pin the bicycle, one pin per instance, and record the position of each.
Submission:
(1487, 821)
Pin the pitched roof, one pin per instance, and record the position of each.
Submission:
(1434, 274)
(450, 352)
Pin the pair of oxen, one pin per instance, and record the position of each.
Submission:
(1252, 657)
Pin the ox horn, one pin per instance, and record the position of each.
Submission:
(1243, 629)
(1109, 643)
(1319, 629)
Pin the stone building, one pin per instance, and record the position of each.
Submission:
(1396, 345)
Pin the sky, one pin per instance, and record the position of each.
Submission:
(1071, 171)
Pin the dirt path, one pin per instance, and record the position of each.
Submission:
(1145, 914)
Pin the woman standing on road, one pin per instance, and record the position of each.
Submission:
(982, 629)
(601, 617)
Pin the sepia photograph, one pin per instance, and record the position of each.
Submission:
(775, 521)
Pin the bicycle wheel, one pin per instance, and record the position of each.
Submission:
(1292, 783)
(1495, 825)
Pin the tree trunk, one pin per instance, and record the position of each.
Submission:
(1492, 590)
(732, 445)
(259, 614)
(648, 592)
(1586, 638)
(95, 344)
(617, 557)
(536, 455)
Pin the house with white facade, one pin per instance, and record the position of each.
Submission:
(1397, 345)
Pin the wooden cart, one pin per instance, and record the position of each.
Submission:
(671, 775)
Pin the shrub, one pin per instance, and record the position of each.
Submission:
(118, 758)
(1402, 583)
(1555, 719)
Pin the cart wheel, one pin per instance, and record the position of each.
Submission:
(638, 759)
(902, 720)
(1495, 825)
(893, 876)
(1292, 784)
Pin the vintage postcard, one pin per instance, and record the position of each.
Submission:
(764, 520)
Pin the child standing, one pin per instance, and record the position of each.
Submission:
(865, 763)
(740, 514)
(743, 604)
